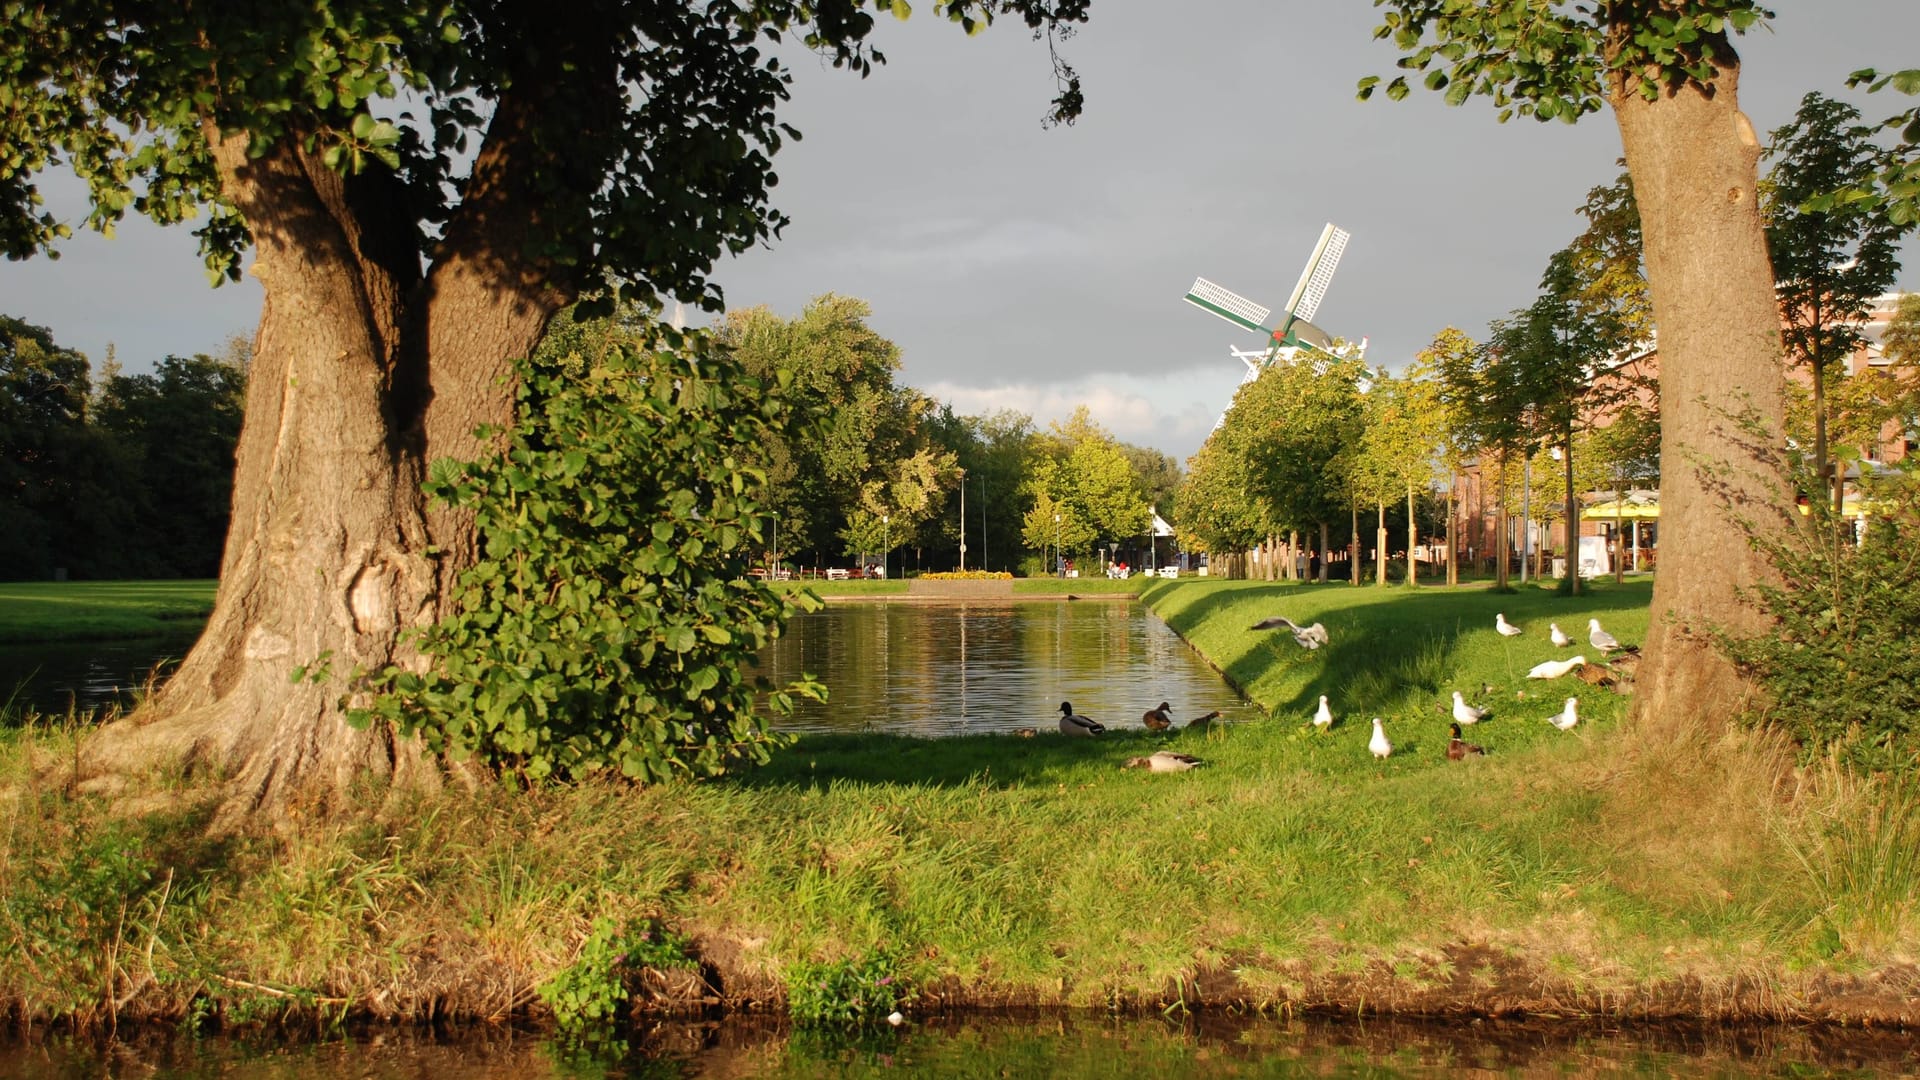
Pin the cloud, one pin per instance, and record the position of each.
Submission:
(1173, 412)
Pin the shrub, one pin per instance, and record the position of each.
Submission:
(849, 992)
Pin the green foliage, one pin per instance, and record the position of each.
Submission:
(1084, 490)
(1838, 664)
(588, 993)
(1895, 190)
(608, 622)
(861, 990)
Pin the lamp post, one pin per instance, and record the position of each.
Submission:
(1059, 563)
(774, 570)
(886, 543)
(963, 521)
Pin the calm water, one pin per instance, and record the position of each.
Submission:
(949, 668)
(85, 674)
(1063, 1047)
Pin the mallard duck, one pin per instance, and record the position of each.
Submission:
(1307, 637)
(1323, 716)
(1459, 750)
(1559, 636)
(1464, 713)
(1078, 725)
(1379, 745)
(1553, 669)
(1207, 721)
(1567, 717)
(1604, 641)
(1158, 719)
(1164, 761)
(1501, 624)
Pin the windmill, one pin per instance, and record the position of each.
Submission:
(1295, 329)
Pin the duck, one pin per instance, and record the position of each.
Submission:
(1307, 637)
(1323, 716)
(1158, 719)
(1559, 636)
(1501, 624)
(1164, 761)
(1567, 717)
(1206, 721)
(1604, 641)
(1464, 713)
(1379, 745)
(1458, 749)
(1553, 669)
(1078, 725)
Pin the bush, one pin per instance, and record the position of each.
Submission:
(849, 992)
(1839, 665)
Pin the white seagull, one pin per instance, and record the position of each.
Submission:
(1307, 637)
(1378, 744)
(1465, 713)
(1501, 624)
(1323, 716)
(1553, 669)
(1600, 639)
(1164, 761)
(1559, 636)
(1077, 725)
(1567, 717)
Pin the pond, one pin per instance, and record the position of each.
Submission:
(935, 669)
(1063, 1046)
(85, 675)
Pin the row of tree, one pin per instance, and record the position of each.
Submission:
(126, 476)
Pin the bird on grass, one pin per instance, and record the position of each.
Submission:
(1164, 761)
(1553, 669)
(1604, 641)
(1205, 723)
(1460, 750)
(1078, 725)
(1464, 713)
(1501, 624)
(1378, 745)
(1567, 717)
(1559, 636)
(1323, 716)
(1307, 637)
(1158, 719)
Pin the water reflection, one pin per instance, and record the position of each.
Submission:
(951, 668)
(1064, 1046)
(85, 675)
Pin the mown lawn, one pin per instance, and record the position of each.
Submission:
(40, 611)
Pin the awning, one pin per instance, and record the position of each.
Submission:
(1633, 506)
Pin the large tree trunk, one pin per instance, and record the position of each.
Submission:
(364, 369)
(1573, 521)
(1693, 159)
(1503, 546)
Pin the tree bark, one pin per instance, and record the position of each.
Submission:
(1502, 543)
(363, 371)
(1324, 555)
(1453, 547)
(1413, 537)
(1380, 545)
(1573, 521)
(1693, 158)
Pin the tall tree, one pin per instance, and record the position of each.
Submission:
(1451, 353)
(1088, 481)
(423, 187)
(45, 449)
(1830, 264)
(1668, 71)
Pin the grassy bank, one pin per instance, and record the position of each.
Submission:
(1566, 871)
(42, 611)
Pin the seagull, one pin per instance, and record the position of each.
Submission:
(1158, 719)
(1307, 637)
(1559, 636)
(1378, 744)
(1323, 716)
(1553, 669)
(1600, 639)
(1458, 750)
(1077, 725)
(1501, 624)
(1164, 761)
(1467, 714)
(1567, 717)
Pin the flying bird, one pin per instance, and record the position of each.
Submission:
(1559, 636)
(1464, 713)
(1567, 717)
(1553, 669)
(1458, 749)
(1077, 725)
(1323, 716)
(1158, 719)
(1164, 761)
(1501, 624)
(1602, 640)
(1379, 745)
(1307, 637)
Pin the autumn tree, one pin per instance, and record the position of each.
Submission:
(422, 187)
(1668, 72)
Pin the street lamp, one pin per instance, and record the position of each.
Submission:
(963, 521)
(886, 543)
(1059, 563)
(773, 571)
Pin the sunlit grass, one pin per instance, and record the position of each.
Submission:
(42, 611)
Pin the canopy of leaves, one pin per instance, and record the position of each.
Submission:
(1896, 188)
(1086, 479)
(609, 623)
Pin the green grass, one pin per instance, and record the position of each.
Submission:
(41, 611)
(1582, 870)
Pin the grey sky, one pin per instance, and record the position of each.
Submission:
(1039, 269)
